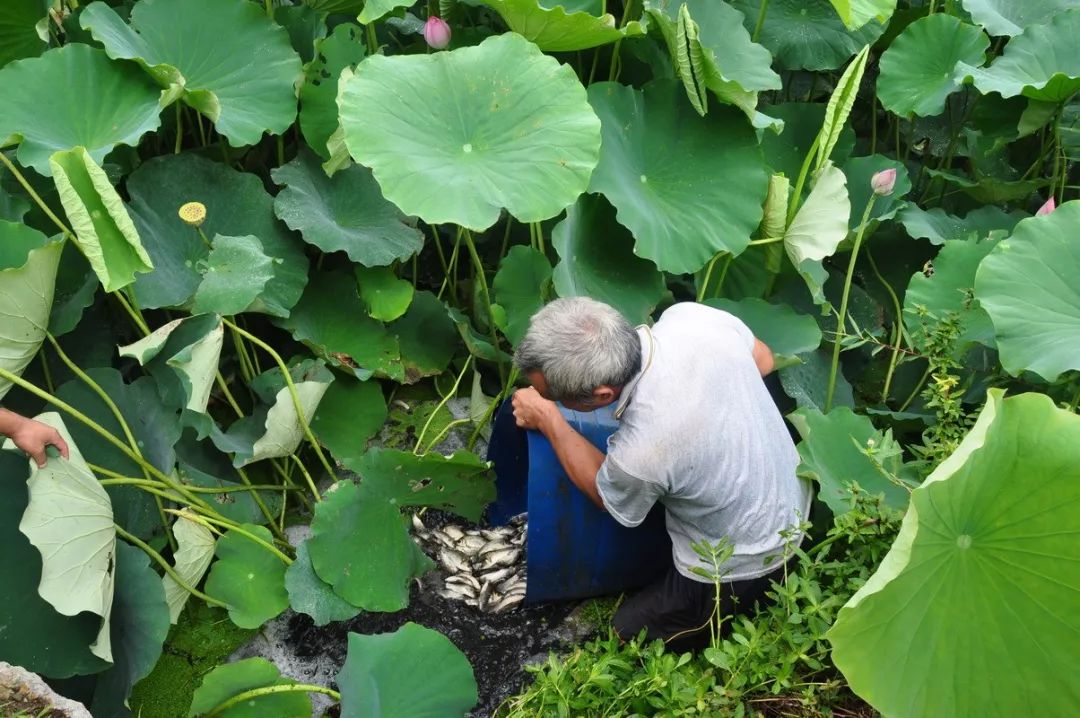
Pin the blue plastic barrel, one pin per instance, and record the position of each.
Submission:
(574, 549)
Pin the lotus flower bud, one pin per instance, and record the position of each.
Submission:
(193, 213)
(882, 182)
(436, 32)
(1048, 207)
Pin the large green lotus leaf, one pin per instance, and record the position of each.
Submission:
(69, 519)
(806, 383)
(1030, 286)
(102, 226)
(519, 289)
(350, 413)
(976, 601)
(832, 452)
(248, 577)
(988, 189)
(560, 29)
(819, 227)
(806, 34)
(236, 205)
(360, 545)
(785, 152)
(140, 622)
(155, 426)
(596, 259)
(274, 429)
(786, 332)
(478, 345)
(311, 595)
(518, 134)
(75, 290)
(32, 633)
(458, 483)
(232, 679)
(1006, 17)
(385, 295)
(939, 227)
(237, 272)
(426, 336)
(859, 172)
(344, 47)
(948, 290)
(195, 551)
(686, 186)
(28, 264)
(346, 212)
(1040, 63)
(225, 58)
(856, 13)
(330, 318)
(183, 356)
(74, 96)
(305, 25)
(414, 671)
(375, 9)
(914, 81)
(18, 32)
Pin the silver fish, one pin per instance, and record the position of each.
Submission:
(510, 584)
(499, 574)
(453, 561)
(484, 595)
(504, 603)
(453, 532)
(462, 590)
(494, 545)
(504, 557)
(466, 579)
(418, 525)
(470, 544)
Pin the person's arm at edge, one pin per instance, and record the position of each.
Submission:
(763, 357)
(579, 458)
(31, 436)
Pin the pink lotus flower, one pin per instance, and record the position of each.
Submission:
(436, 32)
(1048, 207)
(882, 182)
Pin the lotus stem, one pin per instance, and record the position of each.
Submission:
(258, 499)
(35, 196)
(307, 476)
(179, 126)
(441, 404)
(491, 409)
(292, 392)
(211, 522)
(269, 691)
(760, 21)
(915, 392)
(796, 196)
(133, 312)
(124, 481)
(130, 538)
(898, 334)
(841, 324)
(478, 266)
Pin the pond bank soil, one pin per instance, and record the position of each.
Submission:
(497, 645)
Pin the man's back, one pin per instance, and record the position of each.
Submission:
(700, 433)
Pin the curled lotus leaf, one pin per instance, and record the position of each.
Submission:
(558, 26)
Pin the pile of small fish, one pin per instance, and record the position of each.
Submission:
(485, 568)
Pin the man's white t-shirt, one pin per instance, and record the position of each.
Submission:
(699, 432)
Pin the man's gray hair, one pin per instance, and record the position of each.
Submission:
(579, 344)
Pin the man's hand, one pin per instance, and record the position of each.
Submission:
(32, 436)
(530, 409)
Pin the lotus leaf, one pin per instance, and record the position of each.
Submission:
(786, 332)
(838, 108)
(1041, 63)
(344, 47)
(350, 413)
(596, 259)
(914, 81)
(183, 356)
(140, 622)
(1005, 17)
(311, 595)
(659, 169)
(785, 152)
(231, 679)
(236, 205)
(806, 382)
(195, 551)
(18, 33)
(834, 452)
(1030, 288)
(560, 27)
(987, 542)
(859, 172)
(519, 289)
(74, 96)
(69, 519)
(806, 34)
(346, 212)
(477, 345)
(237, 272)
(818, 228)
(426, 336)
(939, 227)
(201, 464)
(224, 58)
(75, 290)
(305, 25)
(414, 671)
(519, 134)
(248, 577)
(385, 295)
(360, 545)
(102, 226)
(856, 13)
(28, 264)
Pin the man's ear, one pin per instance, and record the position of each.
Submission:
(604, 395)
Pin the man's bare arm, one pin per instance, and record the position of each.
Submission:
(763, 357)
(579, 458)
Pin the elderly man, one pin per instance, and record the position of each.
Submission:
(698, 432)
(31, 436)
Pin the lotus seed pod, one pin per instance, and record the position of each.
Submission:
(436, 32)
(193, 213)
(1047, 207)
(882, 182)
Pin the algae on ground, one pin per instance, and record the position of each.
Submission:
(203, 638)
